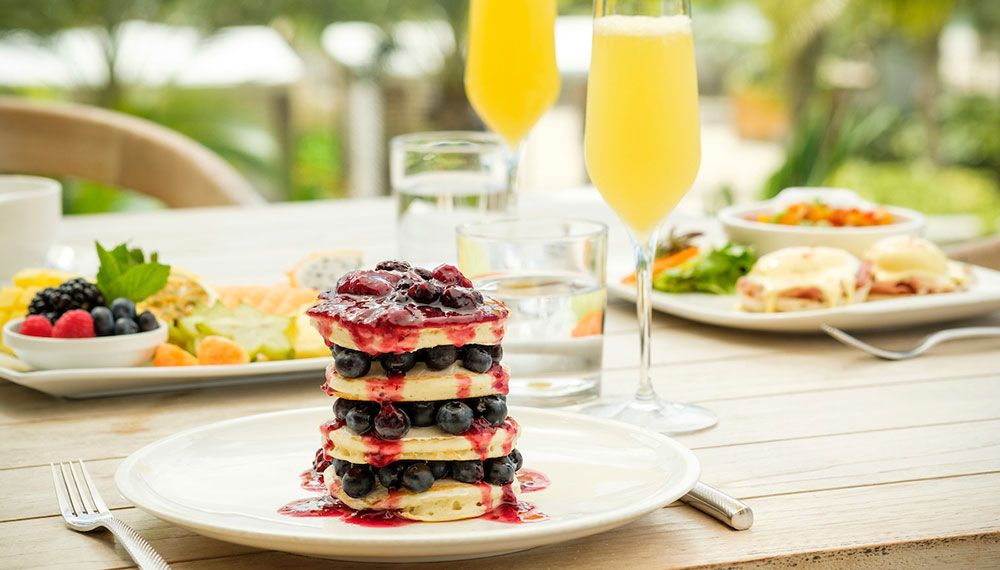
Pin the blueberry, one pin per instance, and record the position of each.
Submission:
(458, 298)
(467, 471)
(454, 417)
(125, 326)
(392, 265)
(359, 419)
(417, 477)
(496, 352)
(340, 466)
(422, 413)
(424, 292)
(477, 359)
(517, 459)
(498, 471)
(391, 422)
(358, 481)
(104, 321)
(336, 349)
(397, 362)
(352, 363)
(391, 476)
(441, 357)
(404, 284)
(439, 469)
(341, 407)
(492, 408)
(123, 308)
(147, 321)
(424, 273)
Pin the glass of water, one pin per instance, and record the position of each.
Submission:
(550, 272)
(442, 180)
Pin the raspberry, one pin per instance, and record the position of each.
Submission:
(36, 325)
(450, 275)
(76, 323)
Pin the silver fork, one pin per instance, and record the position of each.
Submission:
(924, 346)
(82, 514)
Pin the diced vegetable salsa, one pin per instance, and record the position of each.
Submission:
(818, 214)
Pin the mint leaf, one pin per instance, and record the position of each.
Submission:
(125, 273)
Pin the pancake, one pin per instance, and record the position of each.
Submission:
(446, 500)
(420, 384)
(422, 443)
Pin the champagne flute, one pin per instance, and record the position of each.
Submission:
(511, 77)
(643, 149)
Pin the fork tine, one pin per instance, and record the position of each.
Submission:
(74, 493)
(60, 485)
(81, 486)
(98, 500)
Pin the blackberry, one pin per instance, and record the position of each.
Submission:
(76, 293)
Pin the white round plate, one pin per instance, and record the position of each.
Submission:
(982, 297)
(228, 479)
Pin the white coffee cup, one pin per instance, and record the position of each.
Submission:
(30, 209)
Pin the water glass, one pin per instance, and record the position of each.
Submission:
(550, 272)
(442, 180)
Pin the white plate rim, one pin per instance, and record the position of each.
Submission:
(528, 536)
(127, 380)
(914, 310)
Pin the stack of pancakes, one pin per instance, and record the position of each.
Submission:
(421, 425)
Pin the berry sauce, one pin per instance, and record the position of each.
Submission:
(501, 379)
(464, 388)
(380, 320)
(327, 506)
(381, 452)
(512, 511)
(387, 390)
(480, 435)
(330, 425)
(312, 480)
(532, 480)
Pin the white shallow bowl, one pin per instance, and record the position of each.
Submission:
(766, 238)
(44, 353)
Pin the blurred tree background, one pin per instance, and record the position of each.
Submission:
(857, 93)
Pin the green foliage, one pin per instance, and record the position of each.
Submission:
(84, 197)
(822, 140)
(317, 168)
(125, 273)
(923, 187)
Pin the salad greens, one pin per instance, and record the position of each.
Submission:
(713, 272)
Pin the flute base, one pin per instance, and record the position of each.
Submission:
(654, 414)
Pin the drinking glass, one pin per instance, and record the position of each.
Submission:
(442, 180)
(642, 149)
(511, 77)
(550, 272)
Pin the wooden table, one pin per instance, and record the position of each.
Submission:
(847, 461)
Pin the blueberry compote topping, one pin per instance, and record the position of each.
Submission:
(358, 479)
(474, 357)
(392, 420)
(395, 294)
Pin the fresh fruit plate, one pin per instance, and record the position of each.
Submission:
(602, 474)
(982, 296)
(65, 334)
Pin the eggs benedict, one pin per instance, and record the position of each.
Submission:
(804, 278)
(909, 265)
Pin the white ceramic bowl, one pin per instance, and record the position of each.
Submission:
(741, 225)
(44, 353)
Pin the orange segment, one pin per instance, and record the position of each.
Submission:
(172, 355)
(221, 350)
(589, 324)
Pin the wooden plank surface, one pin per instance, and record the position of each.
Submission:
(848, 461)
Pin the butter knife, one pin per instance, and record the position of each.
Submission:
(719, 505)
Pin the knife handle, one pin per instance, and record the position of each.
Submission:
(719, 505)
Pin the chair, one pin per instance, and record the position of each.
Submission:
(59, 139)
(985, 252)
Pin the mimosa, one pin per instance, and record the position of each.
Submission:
(510, 74)
(642, 137)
